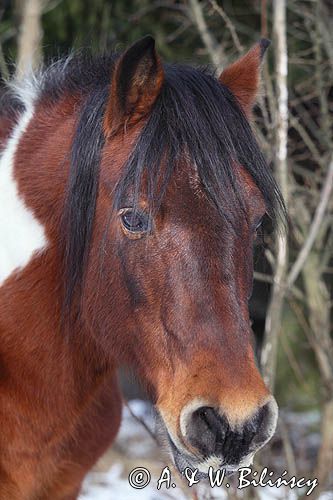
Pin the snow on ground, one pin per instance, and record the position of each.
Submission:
(135, 447)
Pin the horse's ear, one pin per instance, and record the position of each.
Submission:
(243, 76)
(136, 82)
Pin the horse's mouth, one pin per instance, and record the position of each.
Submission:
(184, 461)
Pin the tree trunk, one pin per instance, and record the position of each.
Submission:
(318, 301)
(30, 35)
(275, 309)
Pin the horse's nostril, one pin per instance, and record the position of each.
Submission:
(264, 423)
(206, 430)
(211, 434)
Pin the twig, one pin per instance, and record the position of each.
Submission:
(178, 31)
(211, 44)
(229, 25)
(263, 9)
(294, 365)
(143, 423)
(315, 226)
(288, 449)
(264, 278)
(294, 122)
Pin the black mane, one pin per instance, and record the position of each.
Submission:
(194, 115)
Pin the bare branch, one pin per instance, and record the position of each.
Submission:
(315, 226)
(294, 122)
(288, 449)
(229, 25)
(263, 9)
(142, 422)
(214, 51)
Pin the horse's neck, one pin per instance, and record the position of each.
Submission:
(33, 172)
(38, 357)
(21, 233)
(32, 178)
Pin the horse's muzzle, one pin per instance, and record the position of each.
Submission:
(208, 439)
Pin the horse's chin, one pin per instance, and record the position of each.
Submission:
(183, 461)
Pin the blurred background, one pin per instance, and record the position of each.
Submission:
(292, 301)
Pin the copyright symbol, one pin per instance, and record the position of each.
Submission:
(139, 478)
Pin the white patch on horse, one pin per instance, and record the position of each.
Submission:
(21, 235)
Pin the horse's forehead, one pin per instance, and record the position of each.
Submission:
(253, 196)
(188, 192)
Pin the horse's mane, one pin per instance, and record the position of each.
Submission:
(195, 117)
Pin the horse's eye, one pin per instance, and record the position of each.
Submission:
(134, 221)
(258, 224)
(258, 231)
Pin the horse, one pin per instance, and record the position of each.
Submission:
(131, 194)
